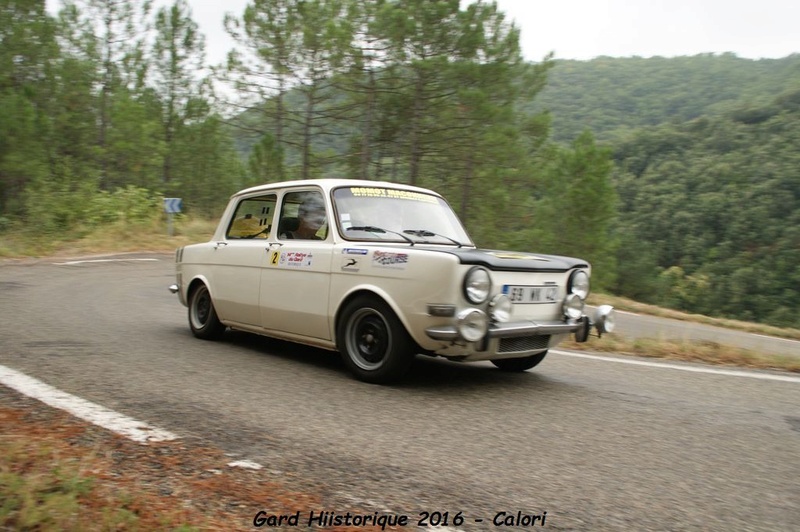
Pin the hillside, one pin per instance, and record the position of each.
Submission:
(712, 206)
(608, 94)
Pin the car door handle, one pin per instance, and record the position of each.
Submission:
(218, 244)
(273, 245)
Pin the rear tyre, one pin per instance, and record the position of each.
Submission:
(202, 316)
(519, 364)
(373, 342)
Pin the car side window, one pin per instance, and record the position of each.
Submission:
(253, 218)
(303, 217)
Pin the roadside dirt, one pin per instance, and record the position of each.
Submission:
(157, 486)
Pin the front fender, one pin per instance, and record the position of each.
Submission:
(366, 288)
(186, 287)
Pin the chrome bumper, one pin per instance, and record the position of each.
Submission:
(603, 322)
(510, 329)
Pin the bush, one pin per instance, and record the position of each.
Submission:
(130, 205)
(56, 207)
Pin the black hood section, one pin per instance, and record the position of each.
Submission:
(514, 261)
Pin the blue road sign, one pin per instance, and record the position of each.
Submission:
(173, 205)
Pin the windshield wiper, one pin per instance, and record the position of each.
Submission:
(373, 229)
(424, 232)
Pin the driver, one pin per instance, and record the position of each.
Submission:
(311, 217)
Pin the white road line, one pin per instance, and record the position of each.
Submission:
(776, 338)
(713, 371)
(99, 415)
(74, 262)
(246, 464)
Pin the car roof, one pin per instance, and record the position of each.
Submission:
(328, 184)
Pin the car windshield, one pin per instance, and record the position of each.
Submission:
(388, 214)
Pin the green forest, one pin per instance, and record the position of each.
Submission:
(678, 178)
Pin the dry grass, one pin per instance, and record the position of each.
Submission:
(114, 238)
(120, 239)
(689, 351)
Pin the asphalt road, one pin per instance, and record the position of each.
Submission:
(596, 444)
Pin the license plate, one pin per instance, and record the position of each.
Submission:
(531, 294)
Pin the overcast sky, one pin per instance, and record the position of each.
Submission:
(584, 29)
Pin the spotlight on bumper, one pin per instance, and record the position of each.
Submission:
(604, 319)
(472, 324)
(572, 307)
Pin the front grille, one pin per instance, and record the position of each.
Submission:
(523, 343)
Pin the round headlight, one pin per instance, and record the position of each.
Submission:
(477, 285)
(579, 284)
(573, 306)
(473, 324)
(500, 308)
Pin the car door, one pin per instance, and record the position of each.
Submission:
(295, 283)
(239, 258)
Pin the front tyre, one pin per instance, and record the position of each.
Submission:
(519, 364)
(202, 316)
(373, 342)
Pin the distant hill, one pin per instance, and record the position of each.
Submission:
(706, 170)
(608, 94)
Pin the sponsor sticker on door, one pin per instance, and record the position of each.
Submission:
(389, 259)
(295, 259)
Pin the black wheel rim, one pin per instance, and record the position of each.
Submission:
(201, 309)
(369, 339)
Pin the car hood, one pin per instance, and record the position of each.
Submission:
(514, 261)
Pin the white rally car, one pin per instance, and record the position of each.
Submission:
(379, 272)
